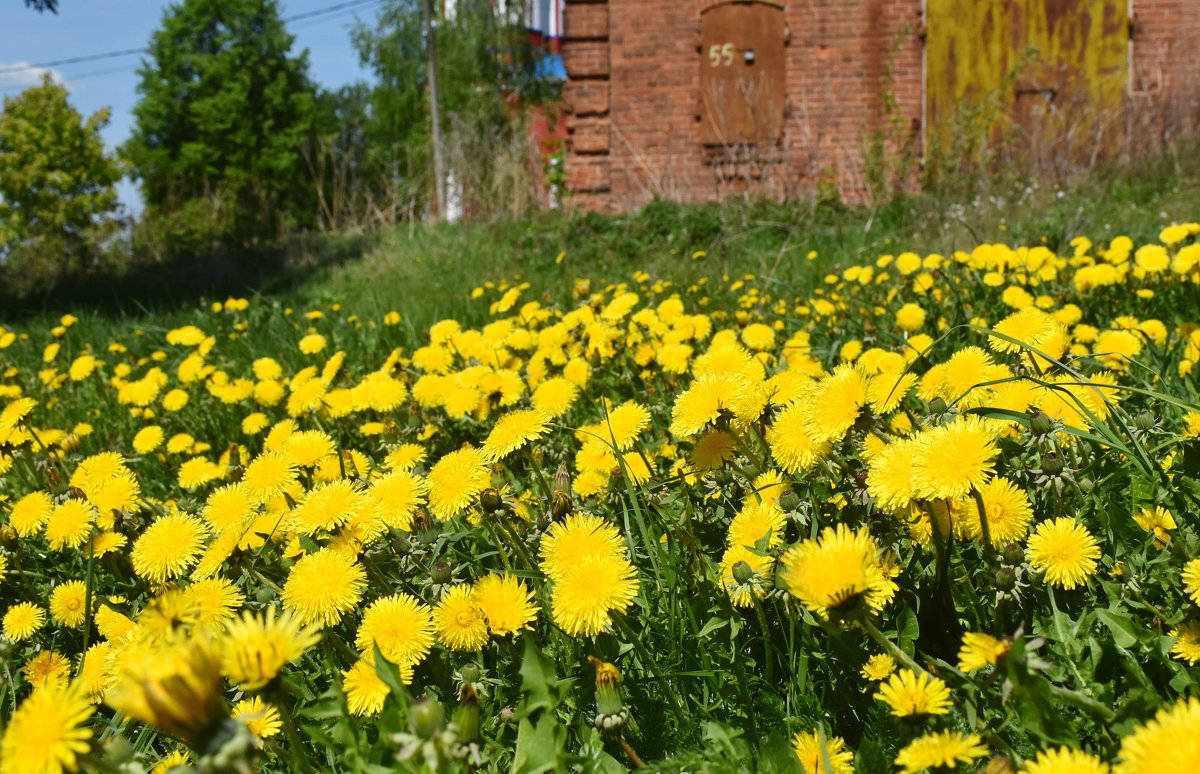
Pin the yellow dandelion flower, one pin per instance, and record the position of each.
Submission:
(70, 524)
(511, 432)
(834, 404)
(878, 667)
(260, 718)
(554, 397)
(267, 476)
(943, 748)
(327, 506)
(307, 447)
(582, 600)
(832, 572)
(807, 747)
(402, 627)
(581, 535)
(396, 496)
(226, 507)
(365, 690)
(505, 602)
(30, 513)
(48, 670)
(257, 646)
(980, 650)
(1167, 744)
(456, 480)
(890, 477)
(1187, 642)
(951, 460)
(67, 603)
(624, 424)
(909, 693)
(148, 439)
(15, 412)
(757, 519)
(458, 621)
(1064, 760)
(1158, 521)
(214, 600)
(1064, 551)
(1007, 508)
(713, 450)
(22, 620)
(46, 734)
(709, 399)
(168, 547)
(1191, 580)
(324, 586)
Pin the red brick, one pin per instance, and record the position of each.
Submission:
(590, 135)
(586, 97)
(585, 22)
(588, 173)
(585, 59)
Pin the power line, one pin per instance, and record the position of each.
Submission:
(132, 51)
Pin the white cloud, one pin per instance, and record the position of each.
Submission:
(12, 79)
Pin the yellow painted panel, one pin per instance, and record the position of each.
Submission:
(1046, 66)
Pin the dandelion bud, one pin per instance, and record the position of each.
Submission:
(425, 717)
(789, 500)
(561, 505)
(1041, 423)
(743, 573)
(421, 520)
(562, 480)
(471, 673)
(538, 455)
(1086, 485)
(611, 713)
(466, 717)
(264, 594)
(490, 500)
(937, 406)
(1006, 579)
(507, 714)
(1052, 464)
(1013, 554)
(1144, 421)
(441, 573)
(8, 536)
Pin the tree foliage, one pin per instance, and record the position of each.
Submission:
(225, 110)
(58, 202)
(485, 68)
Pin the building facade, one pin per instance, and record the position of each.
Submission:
(698, 100)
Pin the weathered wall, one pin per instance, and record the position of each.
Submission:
(853, 73)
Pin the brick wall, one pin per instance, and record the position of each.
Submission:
(1164, 87)
(633, 96)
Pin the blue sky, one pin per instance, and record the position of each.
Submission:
(86, 27)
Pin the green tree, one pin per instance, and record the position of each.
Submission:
(485, 69)
(224, 114)
(58, 201)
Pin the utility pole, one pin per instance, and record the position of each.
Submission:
(435, 110)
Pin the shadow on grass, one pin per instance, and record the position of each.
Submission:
(185, 280)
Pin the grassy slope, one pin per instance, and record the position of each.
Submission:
(427, 272)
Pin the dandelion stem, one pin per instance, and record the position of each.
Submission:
(892, 648)
(633, 757)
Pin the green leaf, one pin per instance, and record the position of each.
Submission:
(538, 679)
(538, 746)
(1121, 626)
(390, 674)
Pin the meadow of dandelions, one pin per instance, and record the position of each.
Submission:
(939, 514)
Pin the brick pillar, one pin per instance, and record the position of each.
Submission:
(586, 58)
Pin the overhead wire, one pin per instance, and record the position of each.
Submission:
(327, 11)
